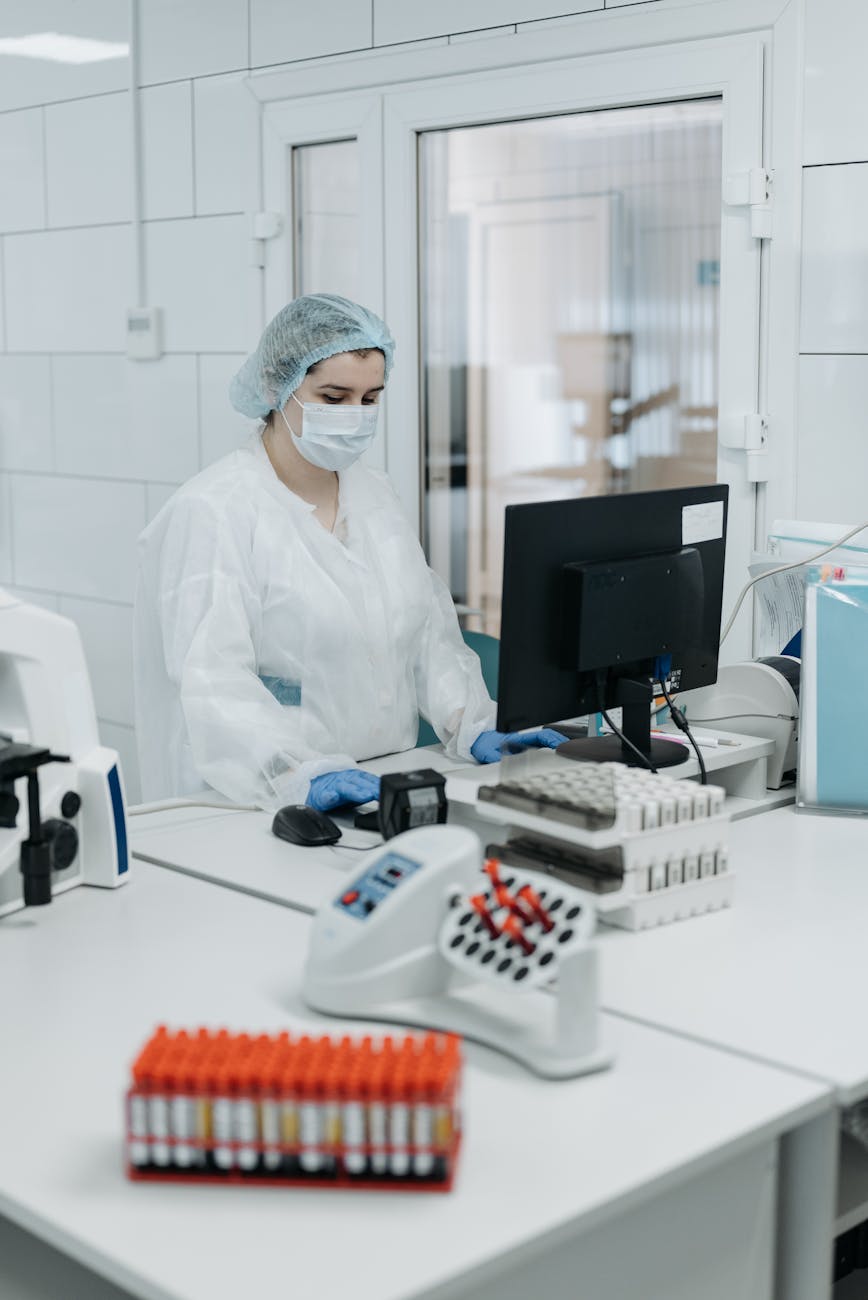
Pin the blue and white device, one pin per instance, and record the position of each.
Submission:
(46, 701)
(420, 935)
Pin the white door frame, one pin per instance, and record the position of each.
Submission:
(330, 98)
(731, 68)
(322, 121)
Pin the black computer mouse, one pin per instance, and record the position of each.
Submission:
(301, 824)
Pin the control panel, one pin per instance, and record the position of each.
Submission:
(377, 883)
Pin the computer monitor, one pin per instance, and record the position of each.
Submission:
(602, 596)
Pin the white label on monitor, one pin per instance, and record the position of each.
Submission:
(702, 523)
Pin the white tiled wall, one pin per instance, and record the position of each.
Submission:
(206, 305)
(833, 438)
(328, 27)
(835, 259)
(192, 38)
(67, 290)
(80, 193)
(226, 144)
(92, 445)
(836, 120)
(167, 150)
(396, 20)
(27, 81)
(22, 204)
(76, 536)
(832, 443)
(126, 420)
(26, 440)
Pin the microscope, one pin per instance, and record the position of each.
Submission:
(62, 808)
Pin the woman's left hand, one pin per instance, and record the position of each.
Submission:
(490, 746)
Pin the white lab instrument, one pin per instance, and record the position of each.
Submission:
(753, 699)
(422, 936)
(650, 848)
(46, 702)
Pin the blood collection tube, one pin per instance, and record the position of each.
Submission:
(182, 1114)
(246, 1109)
(355, 1159)
(378, 1112)
(513, 927)
(491, 867)
(222, 1117)
(328, 1083)
(137, 1111)
(290, 1084)
(158, 1113)
(201, 1111)
(447, 1118)
(311, 1127)
(479, 903)
(400, 1106)
(424, 1083)
(269, 1105)
(353, 1069)
(399, 1124)
(206, 1088)
(528, 895)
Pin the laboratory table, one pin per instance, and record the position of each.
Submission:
(780, 977)
(655, 1180)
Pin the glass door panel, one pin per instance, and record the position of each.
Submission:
(325, 207)
(569, 304)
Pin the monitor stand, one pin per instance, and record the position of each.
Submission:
(635, 697)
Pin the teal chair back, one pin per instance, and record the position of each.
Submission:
(488, 649)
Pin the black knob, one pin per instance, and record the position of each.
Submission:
(63, 839)
(70, 804)
(9, 806)
(36, 870)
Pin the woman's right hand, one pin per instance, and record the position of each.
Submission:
(352, 786)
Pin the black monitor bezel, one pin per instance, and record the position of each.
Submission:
(539, 539)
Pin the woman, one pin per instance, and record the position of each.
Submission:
(287, 624)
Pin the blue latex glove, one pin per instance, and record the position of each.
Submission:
(490, 746)
(335, 788)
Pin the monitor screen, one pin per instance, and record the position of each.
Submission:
(597, 590)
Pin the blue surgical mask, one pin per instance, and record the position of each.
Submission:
(332, 437)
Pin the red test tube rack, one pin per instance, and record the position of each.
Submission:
(212, 1106)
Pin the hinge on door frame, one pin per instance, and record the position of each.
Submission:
(750, 435)
(264, 226)
(755, 190)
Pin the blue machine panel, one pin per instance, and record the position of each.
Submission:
(365, 894)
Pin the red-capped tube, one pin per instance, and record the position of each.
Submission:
(480, 906)
(529, 895)
(513, 927)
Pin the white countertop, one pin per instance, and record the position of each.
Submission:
(88, 978)
(781, 976)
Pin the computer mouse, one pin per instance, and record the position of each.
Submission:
(300, 824)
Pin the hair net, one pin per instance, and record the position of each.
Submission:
(305, 331)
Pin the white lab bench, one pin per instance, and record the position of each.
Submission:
(781, 976)
(238, 850)
(656, 1179)
(778, 978)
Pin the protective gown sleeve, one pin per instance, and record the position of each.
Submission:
(449, 687)
(243, 741)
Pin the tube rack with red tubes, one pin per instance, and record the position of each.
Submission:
(218, 1107)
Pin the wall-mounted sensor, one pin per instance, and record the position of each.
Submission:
(144, 333)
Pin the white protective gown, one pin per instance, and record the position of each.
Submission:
(268, 650)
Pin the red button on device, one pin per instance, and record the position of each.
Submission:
(350, 896)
